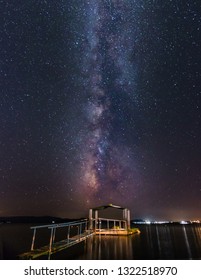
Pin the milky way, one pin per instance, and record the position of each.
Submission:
(107, 168)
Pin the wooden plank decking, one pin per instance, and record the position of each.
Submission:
(113, 232)
(56, 247)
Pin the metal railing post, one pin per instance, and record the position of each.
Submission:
(33, 239)
(68, 234)
(85, 226)
(80, 231)
(54, 234)
(50, 245)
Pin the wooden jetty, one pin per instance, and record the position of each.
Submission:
(53, 247)
(103, 226)
(95, 225)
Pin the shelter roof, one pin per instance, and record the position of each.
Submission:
(108, 206)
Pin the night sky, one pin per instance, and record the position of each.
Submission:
(100, 103)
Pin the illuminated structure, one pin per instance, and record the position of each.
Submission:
(109, 226)
(85, 228)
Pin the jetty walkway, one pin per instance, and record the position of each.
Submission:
(78, 231)
(53, 247)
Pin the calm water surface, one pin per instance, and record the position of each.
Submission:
(154, 242)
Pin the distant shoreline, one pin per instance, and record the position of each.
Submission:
(33, 219)
(52, 219)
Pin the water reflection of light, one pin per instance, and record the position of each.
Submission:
(109, 247)
(168, 241)
(187, 243)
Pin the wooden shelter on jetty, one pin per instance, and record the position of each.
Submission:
(109, 226)
(78, 231)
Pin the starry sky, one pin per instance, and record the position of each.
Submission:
(100, 103)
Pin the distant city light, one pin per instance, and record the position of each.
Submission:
(196, 221)
(182, 222)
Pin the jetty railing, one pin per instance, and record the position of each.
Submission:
(110, 224)
(71, 238)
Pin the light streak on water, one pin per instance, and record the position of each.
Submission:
(187, 243)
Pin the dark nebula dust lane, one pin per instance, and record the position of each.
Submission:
(107, 169)
(100, 103)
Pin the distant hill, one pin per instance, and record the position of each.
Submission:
(34, 219)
